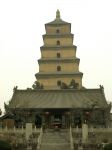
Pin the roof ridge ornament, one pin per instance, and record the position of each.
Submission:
(57, 14)
(15, 88)
(101, 87)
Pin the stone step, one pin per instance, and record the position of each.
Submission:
(46, 137)
(54, 141)
(57, 140)
(56, 134)
(55, 146)
(53, 130)
(52, 134)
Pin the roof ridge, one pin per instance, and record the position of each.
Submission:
(78, 90)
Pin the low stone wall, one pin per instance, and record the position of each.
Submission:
(95, 135)
(17, 137)
(88, 147)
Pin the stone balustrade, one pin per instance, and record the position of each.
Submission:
(21, 137)
(18, 130)
(95, 135)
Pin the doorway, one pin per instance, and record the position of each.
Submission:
(57, 121)
(77, 122)
(38, 121)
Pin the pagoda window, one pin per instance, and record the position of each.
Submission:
(58, 68)
(58, 55)
(57, 31)
(58, 42)
(58, 82)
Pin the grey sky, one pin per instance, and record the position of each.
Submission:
(21, 28)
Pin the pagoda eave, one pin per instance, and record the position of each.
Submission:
(58, 47)
(65, 60)
(57, 36)
(58, 74)
(57, 23)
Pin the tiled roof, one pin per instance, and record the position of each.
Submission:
(57, 22)
(84, 98)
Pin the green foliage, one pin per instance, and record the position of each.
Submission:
(64, 85)
(73, 84)
(108, 146)
(37, 85)
(4, 145)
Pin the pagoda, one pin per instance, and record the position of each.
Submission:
(58, 96)
(58, 64)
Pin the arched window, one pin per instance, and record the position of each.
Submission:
(58, 42)
(57, 31)
(59, 83)
(58, 68)
(58, 55)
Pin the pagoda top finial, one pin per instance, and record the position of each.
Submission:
(57, 14)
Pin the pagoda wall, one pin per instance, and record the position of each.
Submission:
(63, 53)
(67, 41)
(63, 29)
(52, 67)
(52, 82)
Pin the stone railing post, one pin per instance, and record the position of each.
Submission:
(28, 130)
(71, 139)
(39, 139)
(22, 129)
(84, 133)
(6, 129)
(35, 128)
(14, 129)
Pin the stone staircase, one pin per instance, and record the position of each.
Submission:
(55, 140)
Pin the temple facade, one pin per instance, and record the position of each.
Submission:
(58, 98)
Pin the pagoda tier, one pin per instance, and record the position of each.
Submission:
(58, 63)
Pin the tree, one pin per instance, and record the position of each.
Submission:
(108, 146)
(4, 145)
(73, 84)
(37, 85)
(64, 85)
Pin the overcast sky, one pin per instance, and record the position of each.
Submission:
(21, 28)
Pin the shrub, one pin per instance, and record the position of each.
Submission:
(108, 146)
(4, 145)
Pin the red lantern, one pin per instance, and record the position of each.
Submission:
(87, 113)
(67, 113)
(46, 113)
